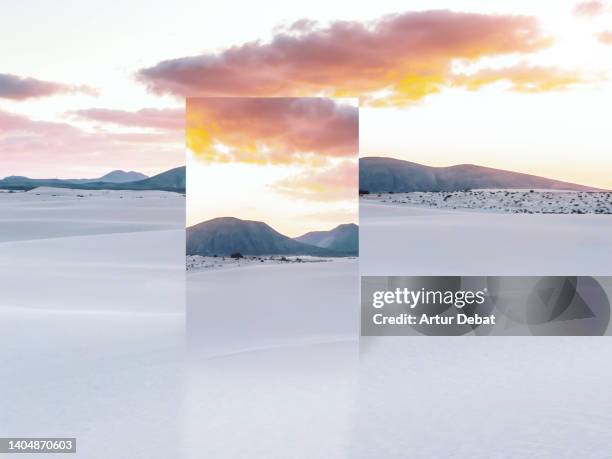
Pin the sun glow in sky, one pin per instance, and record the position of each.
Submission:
(519, 84)
(289, 162)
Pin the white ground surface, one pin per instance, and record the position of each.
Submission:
(255, 307)
(275, 346)
(410, 240)
(92, 319)
(101, 358)
(481, 398)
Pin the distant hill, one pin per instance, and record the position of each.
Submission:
(119, 176)
(343, 238)
(14, 182)
(377, 174)
(172, 180)
(226, 235)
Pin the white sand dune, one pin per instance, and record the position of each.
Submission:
(536, 397)
(417, 397)
(271, 376)
(55, 212)
(478, 398)
(405, 240)
(287, 402)
(256, 307)
(108, 251)
(92, 319)
(273, 361)
(113, 380)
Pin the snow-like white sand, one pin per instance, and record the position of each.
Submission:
(477, 398)
(255, 307)
(407, 240)
(109, 251)
(97, 364)
(92, 319)
(293, 401)
(481, 398)
(274, 360)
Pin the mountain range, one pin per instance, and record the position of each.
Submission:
(227, 235)
(343, 238)
(172, 180)
(379, 175)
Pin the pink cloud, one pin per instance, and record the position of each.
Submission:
(271, 130)
(20, 88)
(407, 55)
(165, 119)
(50, 149)
(589, 8)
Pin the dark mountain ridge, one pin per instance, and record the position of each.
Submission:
(343, 238)
(227, 235)
(379, 175)
(172, 180)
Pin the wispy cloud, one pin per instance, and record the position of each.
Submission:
(43, 148)
(271, 130)
(589, 9)
(21, 88)
(164, 119)
(335, 183)
(404, 57)
(522, 78)
(604, 37)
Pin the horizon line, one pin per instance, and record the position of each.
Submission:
(91, 178)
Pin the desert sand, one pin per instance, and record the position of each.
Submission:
(403, 239)
(111, 369)
(257, 307)
(92, 319)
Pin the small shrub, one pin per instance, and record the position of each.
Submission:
(236, 255)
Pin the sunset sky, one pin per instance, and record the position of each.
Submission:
(519, 84)
(290, 162)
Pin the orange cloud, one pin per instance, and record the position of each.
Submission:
(21, 88)
(589, 8)
(338, 182)
(522, 78)
(403, 56)
(271, 130)
(605, 37)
